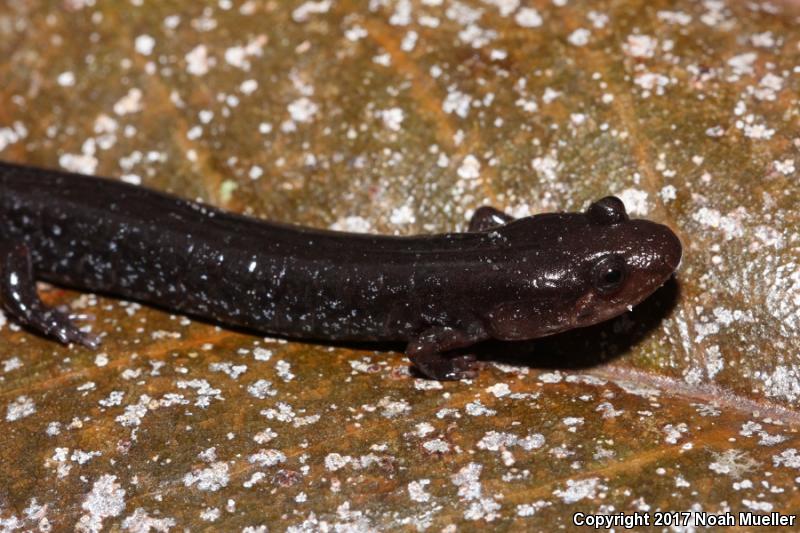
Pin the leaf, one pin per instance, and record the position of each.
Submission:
(403, 116)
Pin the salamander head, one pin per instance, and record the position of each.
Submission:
(587, 268)
(632, 259)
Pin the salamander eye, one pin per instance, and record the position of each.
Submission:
(608, 274)
(608, 210)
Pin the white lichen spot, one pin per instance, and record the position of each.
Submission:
(336, 461)
(416, 490)
(551, 377)
(636, 201)
(303, 12)
(402, 215)
(141, 522)
(144, 44)
(640, 46)
(469, 490)
(392, 118)
(528, 17)
(674, 17)
(22, 407)
(436, 446)
(66, 79)
(106, 499)
(579, 37)
(261, 389)
(267, 458)
(499, 390)
(783, 382)
(211, 479)
(470, 168)
(198, 62)
(303, 109)
(785, 167)
(733, 463)
(456, 102)
(668, 193)
(579, 490)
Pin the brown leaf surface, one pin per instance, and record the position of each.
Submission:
(403, 116)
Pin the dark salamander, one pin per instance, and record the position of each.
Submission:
(504, 279)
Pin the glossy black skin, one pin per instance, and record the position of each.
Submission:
(504, 279)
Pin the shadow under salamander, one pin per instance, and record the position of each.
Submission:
(573, 349)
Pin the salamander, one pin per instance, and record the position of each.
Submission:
(505, 278)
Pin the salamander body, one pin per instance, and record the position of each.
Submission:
(505, 278)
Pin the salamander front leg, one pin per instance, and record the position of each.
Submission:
(487, 217)
(426, 352)
(21, 300)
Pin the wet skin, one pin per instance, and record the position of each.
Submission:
(505, 279)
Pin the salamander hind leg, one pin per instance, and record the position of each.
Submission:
(21, 300)
(427, 353)
(487, 217)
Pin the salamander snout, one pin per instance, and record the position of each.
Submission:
(635, 258)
